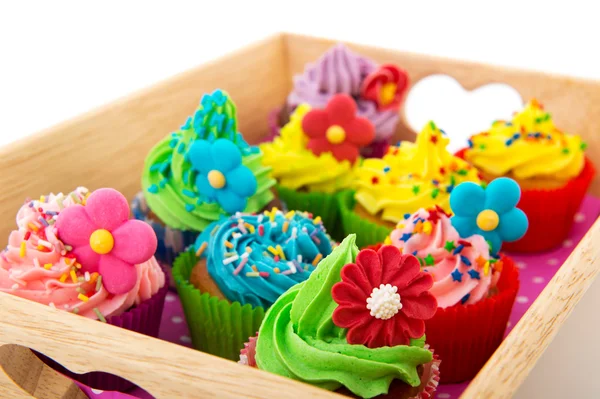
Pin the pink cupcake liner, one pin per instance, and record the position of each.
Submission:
(430, 379)
(144, 319)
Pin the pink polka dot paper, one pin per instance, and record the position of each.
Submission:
(536, 270)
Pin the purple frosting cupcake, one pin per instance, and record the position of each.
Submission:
(377, 90)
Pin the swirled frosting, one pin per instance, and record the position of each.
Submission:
(299, 340)
(411, 176)
(340, 70)
(256, 258)
(168, 179)
(296, 167)
(37, 266)
(462, 269)
(528, 147)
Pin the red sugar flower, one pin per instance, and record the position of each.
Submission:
(383, 298)
(386, 86)
(337, 129)
(105, 240)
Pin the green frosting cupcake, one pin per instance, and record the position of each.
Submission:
(205, 170)
(298, 338)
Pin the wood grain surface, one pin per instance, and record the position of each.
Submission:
(107, 147)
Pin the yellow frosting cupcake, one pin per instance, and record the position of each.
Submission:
(529, 149)
(409, 177)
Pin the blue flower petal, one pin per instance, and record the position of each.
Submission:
(513, 225)
(502, 195)
(494, 239)
(226, 155)
(204, 187)
(241, 181)
(467, 199)
(465, 225)
(200, 156)
(230, 201)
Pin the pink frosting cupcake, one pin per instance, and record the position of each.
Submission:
(429, 235)
(68, 252)
(475, 291)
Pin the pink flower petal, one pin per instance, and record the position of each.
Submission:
(118, 277)
(315, 123)
(135, 242)
(88, 259)
(107, 208)
(74, 227)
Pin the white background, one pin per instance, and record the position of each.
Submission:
(62, 58)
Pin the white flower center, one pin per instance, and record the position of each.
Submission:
(384, 302)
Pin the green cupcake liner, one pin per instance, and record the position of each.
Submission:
(217, 326)
(320, 204)
(367, 232)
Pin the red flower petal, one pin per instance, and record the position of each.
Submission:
(414, 328)
(345, 152)
(341, 109)
(421, 307)
(410, 269)
(359, 131)
(369, 261)
(319, 145)
(315, 123)
(351, 316)
(392, 260)
(355, 274)
(422, 283)
(347, 293)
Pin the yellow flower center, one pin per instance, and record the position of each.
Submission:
(216, 179)
(101, 241)
(487, 220)
(388, 92)
(336, 134)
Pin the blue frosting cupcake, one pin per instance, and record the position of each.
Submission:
(253, 259)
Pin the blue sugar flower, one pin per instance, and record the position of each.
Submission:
(491, 212)
(221, 175)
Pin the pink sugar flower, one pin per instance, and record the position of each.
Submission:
(104, 240)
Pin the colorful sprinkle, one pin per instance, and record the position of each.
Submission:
(23, 249)
(264, 274)
(458, 249)
(317, 220)
(231, 260)
(239, 268)
(98, 282)
(456, 275)
(429, 260)
(317, 259)
(73, 276)
(47, 266)
(465, 260)
(261, 230)
(252, 274)
(63, 278)
(228, 244)
(465, 299)
(201, 249)
(99, 314)
(83, 298)
(474, 274)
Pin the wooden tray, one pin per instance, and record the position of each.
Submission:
(107, 147)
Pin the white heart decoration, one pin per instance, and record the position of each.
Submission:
(460, 113)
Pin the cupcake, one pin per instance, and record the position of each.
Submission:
(549, 165)
(356, 326)
(200, 173)
(475, 287)
(409, 177)
(80, 253)
(314, 158)
(238, 268)
(378, 90)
